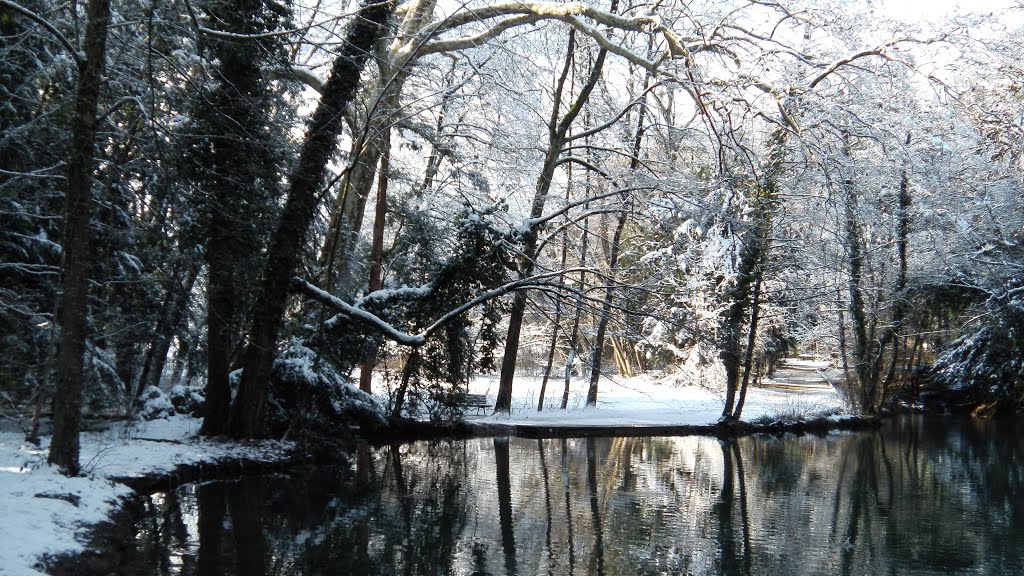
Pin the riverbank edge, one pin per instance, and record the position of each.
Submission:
(107, 542)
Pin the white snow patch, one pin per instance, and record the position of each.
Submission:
(645, 400)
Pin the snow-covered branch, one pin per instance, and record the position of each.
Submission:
(356, 312)
(339, 305)
(60, 38)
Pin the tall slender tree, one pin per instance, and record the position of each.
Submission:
(234, 156)
(67, 403)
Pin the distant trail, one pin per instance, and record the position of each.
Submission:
(799, 376)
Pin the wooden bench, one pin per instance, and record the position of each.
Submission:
(466, 401)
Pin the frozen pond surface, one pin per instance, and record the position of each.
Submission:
(920, 496)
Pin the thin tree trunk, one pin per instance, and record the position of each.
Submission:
(551, 353)
(574, 335)
(395, 64)
(411, 365)
(67, 403)
(613, 258)
(376, 256)
(558, 129)
(557, 321)
(299, 210)
(893, 335)
(175, 306)
(748, 360)
(862, 347)
(606, 310)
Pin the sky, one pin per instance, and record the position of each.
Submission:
(933, 10)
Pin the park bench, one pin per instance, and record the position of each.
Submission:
(465, 401)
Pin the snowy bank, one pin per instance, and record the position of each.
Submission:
(44, 514)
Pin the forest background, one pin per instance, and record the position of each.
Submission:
(244, 200)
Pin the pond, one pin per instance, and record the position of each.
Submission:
(921, 495)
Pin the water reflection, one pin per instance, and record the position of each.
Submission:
(920, 496)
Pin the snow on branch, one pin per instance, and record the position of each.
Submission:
(60, 38)
(339, 305)
(572, 13)
(415, 340)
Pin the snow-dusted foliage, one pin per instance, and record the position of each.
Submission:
(988, 361)
(307, 392)
(155, 404)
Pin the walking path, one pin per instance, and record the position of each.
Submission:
(800, 376)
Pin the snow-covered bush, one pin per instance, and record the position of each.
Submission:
(155, 404)
(988, 362)
(308, 394)
(188, 399)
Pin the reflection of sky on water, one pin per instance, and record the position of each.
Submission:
(921, 496)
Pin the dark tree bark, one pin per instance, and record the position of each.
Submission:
(67, 403)
(175, 307)
(299, 210)
(236, 162)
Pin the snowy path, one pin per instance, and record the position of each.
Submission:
(800, 376)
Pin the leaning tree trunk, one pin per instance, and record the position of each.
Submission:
(67, 404)
(299, 210)
(395, 64)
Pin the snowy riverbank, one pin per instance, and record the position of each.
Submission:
(43, 513)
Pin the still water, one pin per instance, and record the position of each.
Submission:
(922, 495)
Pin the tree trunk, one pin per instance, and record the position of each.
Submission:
(299, 210)
(574, 335)
(748, 360)
(67, 403)
(220, 315)
(613, 259)
(558, 129)
(606, 310)
(551, 350)
(395, 64)
(376, 256)
(175, 307)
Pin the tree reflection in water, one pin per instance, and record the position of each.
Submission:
(928, 496)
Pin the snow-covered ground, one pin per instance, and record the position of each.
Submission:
(647, 401)
(43, 512)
